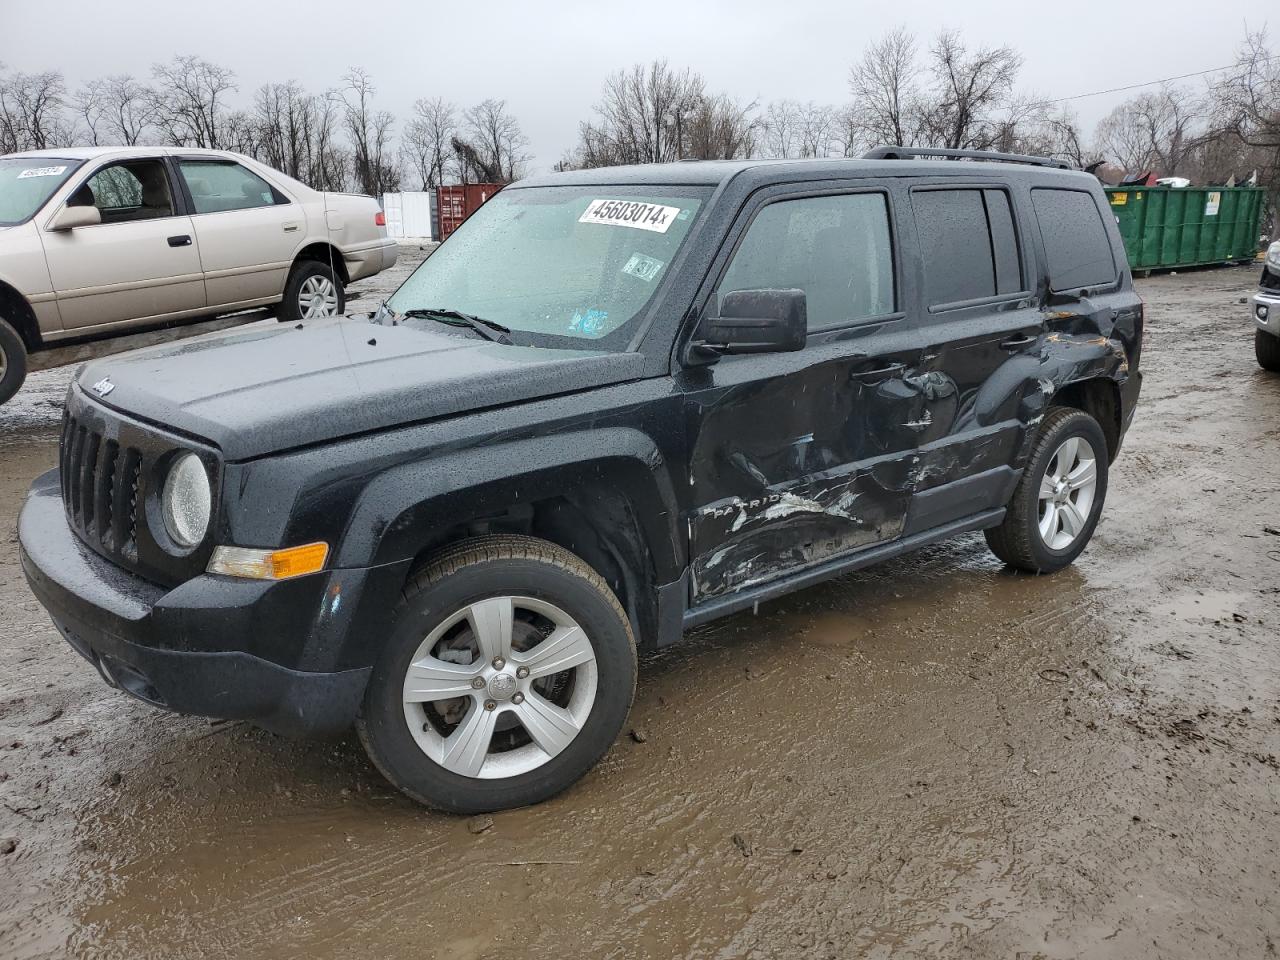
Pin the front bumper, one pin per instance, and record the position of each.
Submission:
(176, 648)
(1265, 310)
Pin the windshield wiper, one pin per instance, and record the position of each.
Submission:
(495, 332)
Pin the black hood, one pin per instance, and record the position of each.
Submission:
(271, 387)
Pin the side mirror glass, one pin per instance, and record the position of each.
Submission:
(69, 218)
(756, 321)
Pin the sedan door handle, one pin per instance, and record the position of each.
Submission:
(182, 241)
(291, 227)
(1017, 343)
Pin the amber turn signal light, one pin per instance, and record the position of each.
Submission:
(268, 564)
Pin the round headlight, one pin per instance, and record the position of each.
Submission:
(186, 501)
(1273, 255)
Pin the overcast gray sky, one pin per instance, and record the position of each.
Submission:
(548, 59)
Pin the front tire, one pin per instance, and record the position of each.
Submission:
(509, 672)
(1267, 349)
(1056, 505)
(13, 362)
(313, 291)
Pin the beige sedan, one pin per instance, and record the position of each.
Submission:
(97, 242)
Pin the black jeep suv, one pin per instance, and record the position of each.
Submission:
(614, 405)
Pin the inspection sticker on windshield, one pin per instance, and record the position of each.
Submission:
(646, 268)
(630, 213)
(41, 172)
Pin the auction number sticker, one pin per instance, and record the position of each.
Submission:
(630, 213)
(41, 172)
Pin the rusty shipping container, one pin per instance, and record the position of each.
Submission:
(458, 201)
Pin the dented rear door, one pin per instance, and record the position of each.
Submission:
(981, 329)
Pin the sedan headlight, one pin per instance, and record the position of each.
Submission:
(187, 501)
(1273, 255)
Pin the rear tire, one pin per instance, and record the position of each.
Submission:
(313, 291)
(13, 361)
(1266, 347)
(459, 722)
(1056, 505)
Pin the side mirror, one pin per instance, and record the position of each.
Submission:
(756, 321)
(69, 218)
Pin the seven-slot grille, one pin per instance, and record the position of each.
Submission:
(100, 488)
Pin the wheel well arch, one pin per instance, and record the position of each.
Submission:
(325, 253)
(1100, 398)
(599, 526)
(15, 309)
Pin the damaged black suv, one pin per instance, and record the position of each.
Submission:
(614, 405)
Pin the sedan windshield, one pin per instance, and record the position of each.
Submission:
(557, 262)
(25, 185)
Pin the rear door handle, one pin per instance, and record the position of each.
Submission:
(291, 227)
(882, 373)
(1017, 343)
(182, 241)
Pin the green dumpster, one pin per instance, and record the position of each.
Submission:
(1167, 227)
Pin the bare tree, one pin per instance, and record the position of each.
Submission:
(886, 94)
(189, 101)
(494, 145)
(643, 116)
(966, 89)
(1247, 106)
(369, 131)
(32, 111)
(720, 128)
(428, 139)
(1152, 131)
(778, 133)
(117, 110)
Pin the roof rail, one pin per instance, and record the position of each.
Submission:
(909, 153)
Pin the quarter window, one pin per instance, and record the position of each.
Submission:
(1075, 239)
(969, 243)
(216, 186)
(837, 249)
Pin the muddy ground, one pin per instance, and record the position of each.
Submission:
(931, 758)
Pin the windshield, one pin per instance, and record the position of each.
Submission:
(25, 185)
(564, 262)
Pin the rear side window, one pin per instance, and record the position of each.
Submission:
(217, 186)
(1075, 239)
(837, 249)
(969, 244)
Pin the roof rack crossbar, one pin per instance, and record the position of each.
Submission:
(909, 153)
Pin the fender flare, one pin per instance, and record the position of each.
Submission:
(394, 515)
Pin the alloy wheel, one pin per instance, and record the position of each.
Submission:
(1067, 492)
(500, 687)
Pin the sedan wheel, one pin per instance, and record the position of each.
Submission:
(317, 297)
(1066, 493)
(500, 687)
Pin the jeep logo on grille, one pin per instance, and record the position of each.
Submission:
(103, 387)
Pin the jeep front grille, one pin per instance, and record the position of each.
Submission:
(100, 489)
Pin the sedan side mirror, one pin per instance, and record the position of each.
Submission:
(756, 321)
(71, 217)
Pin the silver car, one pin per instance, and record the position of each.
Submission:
(101, 241)
(1266, 312)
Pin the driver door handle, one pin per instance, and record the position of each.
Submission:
(180, 241)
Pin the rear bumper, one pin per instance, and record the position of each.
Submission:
(368, 259)
(175, 648)
(1265, 310)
